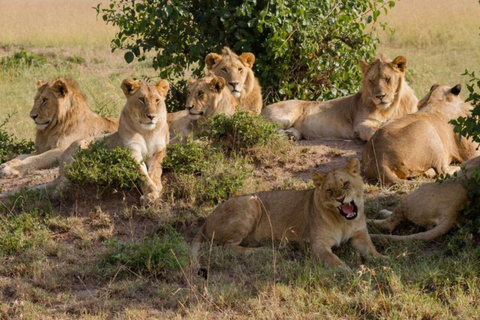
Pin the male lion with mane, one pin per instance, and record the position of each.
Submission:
(326, 216)
(237, 71)
(415, 143)
(384, 95)
(61, 116)
(206, 97)
(143, 129)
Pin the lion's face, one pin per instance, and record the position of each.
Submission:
(341, 190)
(203, 96)
(234, 69)
(49, 103)
(382, 78)
(145, 102)
(441, 93)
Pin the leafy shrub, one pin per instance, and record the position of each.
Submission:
(153, 256)
(304, 49)
(22, 58)
(240, 131)
(76, 59)
(203, 174)
(11, 147)
(470, 126)
(108, 168)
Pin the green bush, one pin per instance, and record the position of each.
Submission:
(470, 126)
(152, 257)
(22, 59)
(304, 49)
(108, 168)
(203, 174)
(240, 131)
(11, 147)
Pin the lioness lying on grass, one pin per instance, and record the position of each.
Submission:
(326, 216)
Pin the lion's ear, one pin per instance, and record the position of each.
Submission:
(191, 81)
(317, 179)
(163, 86)
(456, 90)
(217, 84)
(353, 167)
(399, 63)
(40, 83)
(129, 87)
(248, 59)
(59, 88)
(212, 59)
(364, 65)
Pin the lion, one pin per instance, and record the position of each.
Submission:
(412, 145)
(433, 206)
(61, 115)
(143, 129)
(206, 97)
(384, 95)
(237, 71)
(326, 216)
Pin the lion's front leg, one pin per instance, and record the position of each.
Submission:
(366, 129)
(25, 163)
(322, 250)
(149, 189)
(362, 242)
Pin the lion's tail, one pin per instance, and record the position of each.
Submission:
(196, 243)
(440, 229)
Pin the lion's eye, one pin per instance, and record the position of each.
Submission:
(329, 192)
(346, 184)
(387, 79)
(44, 101)
(371, 81)
(157, 100)
(142, 100)
(225, 70)
(200, 94)
(240, 69)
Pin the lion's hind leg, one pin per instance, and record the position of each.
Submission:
(390, 223)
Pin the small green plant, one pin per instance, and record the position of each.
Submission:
(11, 147)
(22, 59)
(108, 168)
(76, 59)
(239, 131)
(154, 257)
(190, 158)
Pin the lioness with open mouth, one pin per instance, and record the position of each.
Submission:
(326, 216)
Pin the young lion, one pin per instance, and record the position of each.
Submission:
(411, 145)
(384, 95)
(237, 71)
(61, 116)
(143, 129)
(433, 206)
(206, 97)
(327, 216)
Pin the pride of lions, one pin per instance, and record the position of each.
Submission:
(404, 138)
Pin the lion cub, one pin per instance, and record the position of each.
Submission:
(143, 129)
(326, 216)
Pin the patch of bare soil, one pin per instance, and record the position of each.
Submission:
(11, 184)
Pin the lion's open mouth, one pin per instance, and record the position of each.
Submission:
(348, 210)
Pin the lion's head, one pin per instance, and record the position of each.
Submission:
(145, 102)
(53, 101)
(237, 70)
(382, 79)
(441, 93)
(208, 96)
(341, 190)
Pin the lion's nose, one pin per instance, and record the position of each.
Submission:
(34, 116)
(189, 107)
(151, 117)
(233, 84)
(381, 96)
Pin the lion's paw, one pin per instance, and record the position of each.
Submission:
(149, 198)
(8, 170)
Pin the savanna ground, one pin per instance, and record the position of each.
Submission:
(89, 255)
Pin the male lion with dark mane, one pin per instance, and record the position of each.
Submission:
(61, 116)
(326, 216)
(237, 71)
(384, 95)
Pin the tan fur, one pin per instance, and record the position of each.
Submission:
(411, 145)
(304, 215)
(433, 206)
(62, 116)
(237, 71)
(143, 129)
(384, 95)
(206, 97)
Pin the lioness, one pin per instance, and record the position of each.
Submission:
(433, 206)
(61, 116)
(411, 145)
(237, 71)
(384, 95)
(327, 216)
(143, 129)
(206, 97)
